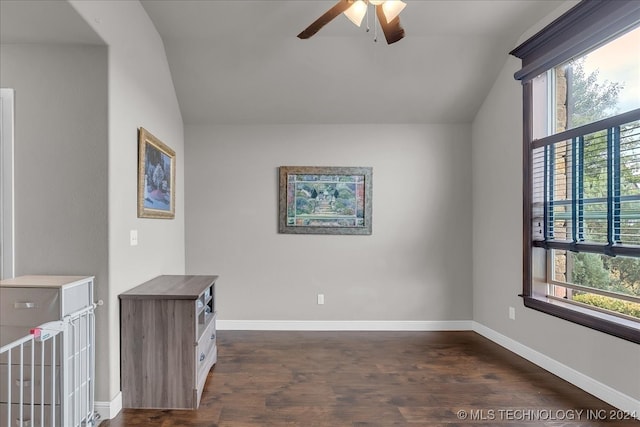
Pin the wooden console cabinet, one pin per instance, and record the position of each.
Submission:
(168, 341)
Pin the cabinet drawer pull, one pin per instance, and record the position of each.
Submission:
(213, 336)
(25, 383)
(25, 305)
(201, 357)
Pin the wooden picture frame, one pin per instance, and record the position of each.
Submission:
(156, 177)
(325, 200)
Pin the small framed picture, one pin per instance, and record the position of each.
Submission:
(156, 177)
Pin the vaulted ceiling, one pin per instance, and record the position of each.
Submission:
(240, 62)
(34, 21)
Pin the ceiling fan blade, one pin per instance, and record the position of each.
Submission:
(392, 29)
(328, 16)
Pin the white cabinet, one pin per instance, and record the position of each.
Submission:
(32, 300)
(66, 390)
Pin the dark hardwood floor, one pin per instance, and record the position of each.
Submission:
(377, 379)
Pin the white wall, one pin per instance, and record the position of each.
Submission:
(60, 163)
(141, 94)
(60, 156)
(415, 266)
(497, 252)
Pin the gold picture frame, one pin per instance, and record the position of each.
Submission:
(156, 177)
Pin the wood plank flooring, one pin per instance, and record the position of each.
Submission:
(377, 379)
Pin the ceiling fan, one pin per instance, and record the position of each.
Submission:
(387, 12)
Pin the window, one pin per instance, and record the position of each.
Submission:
(581, 87)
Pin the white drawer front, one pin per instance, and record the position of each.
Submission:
(28, 306)
(207, 340)
(204, 367)
(30, 381)
(205, 346)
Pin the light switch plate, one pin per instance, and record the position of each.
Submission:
(133, 237)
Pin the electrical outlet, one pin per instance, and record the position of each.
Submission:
(512, 313)
(320, 299)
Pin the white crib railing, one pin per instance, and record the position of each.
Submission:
(47, 377)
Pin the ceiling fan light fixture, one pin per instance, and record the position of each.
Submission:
(392, 9)
(390, 24)
(356, 12)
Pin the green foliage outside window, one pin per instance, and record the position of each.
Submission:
(615, 274)
(620, 306)
(591, 101)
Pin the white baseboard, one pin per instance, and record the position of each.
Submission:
(344, 325)
(108, 410)
(586, 383)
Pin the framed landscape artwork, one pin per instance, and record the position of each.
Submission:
(156, 177)
(325, 200)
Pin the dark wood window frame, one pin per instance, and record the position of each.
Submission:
(586, 26)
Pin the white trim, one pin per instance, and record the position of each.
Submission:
(109, 410)
(601, 391)
(344, 325)
(7, 201)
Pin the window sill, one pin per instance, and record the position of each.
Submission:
(618, 327)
